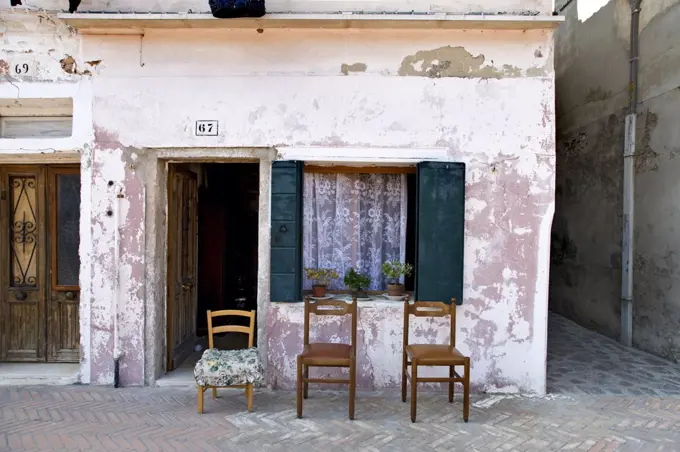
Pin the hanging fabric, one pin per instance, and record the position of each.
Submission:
(231, 9)
(353, 221)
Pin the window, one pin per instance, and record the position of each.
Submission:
(353, 220)
(347, 219)
(36, 118)
(35, 126)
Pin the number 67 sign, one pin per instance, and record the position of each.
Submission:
(206, 128)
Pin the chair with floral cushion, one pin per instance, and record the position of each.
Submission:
(229, 368)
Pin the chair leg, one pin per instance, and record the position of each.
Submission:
(352, 386)
(299, 386)
(404, 369)
(414, 389)
(451, 373)
(200, 399)
(249, 395)
(466, 393)
(305, 385)
(214, 391)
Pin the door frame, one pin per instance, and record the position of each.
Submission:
(160, 165)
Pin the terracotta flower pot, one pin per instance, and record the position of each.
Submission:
(319, 290)
(395, 290)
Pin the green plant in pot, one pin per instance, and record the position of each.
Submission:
(393, 271)
(357, 283)
(320, 277)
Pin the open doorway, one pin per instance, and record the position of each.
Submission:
(212, 253)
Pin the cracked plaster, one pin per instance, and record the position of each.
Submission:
(501, 127)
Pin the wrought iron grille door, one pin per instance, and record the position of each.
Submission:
(39, 205)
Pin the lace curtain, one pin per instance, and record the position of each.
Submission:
(353, 220)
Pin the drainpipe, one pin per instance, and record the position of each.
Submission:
(116, 288)
(629, 183)
(143, 233)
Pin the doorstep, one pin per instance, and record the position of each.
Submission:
(178, 378)
(31, 374)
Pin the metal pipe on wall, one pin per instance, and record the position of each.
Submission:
(116, 291)
(627, 246)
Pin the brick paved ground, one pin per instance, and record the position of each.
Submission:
(164, 419)
(154, 419)
(583, 362)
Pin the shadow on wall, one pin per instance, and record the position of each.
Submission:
(585, 280)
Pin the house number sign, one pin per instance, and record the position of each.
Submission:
(22, 68)
(206, 128)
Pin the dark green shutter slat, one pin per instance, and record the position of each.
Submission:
(440, 231)
(286, 238)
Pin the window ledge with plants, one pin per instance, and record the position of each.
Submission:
(356, 284)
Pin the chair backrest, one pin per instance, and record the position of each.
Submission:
(430, 309)
(331, 307)
(249, 330)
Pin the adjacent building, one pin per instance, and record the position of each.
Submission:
(593, 101)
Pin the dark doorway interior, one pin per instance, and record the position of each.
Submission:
(228, 205)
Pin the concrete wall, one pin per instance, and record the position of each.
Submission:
(592, 87)
(405, 6)
(481, 97)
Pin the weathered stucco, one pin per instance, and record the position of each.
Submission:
(327, 96)
(592, 84)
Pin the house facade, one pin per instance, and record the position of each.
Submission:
(216, 159)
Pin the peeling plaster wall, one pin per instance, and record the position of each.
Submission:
(592, 87)
(482, 97)
(407, 6)
(340, 93)
(42, 42)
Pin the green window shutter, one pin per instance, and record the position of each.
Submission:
(440, 230)
(286, 239)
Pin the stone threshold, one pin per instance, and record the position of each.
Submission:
(32, 374)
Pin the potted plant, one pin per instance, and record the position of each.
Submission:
(393, 271)
(358, 283)
(320, 278)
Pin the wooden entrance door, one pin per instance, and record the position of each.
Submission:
(182, 246)
(39, 241)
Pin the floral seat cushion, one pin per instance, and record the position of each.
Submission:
(229, 367)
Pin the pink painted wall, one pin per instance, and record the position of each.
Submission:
(501, 324)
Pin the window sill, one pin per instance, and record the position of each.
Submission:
(379, 304)
(378, 299)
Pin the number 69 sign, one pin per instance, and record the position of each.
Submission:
(22, 68)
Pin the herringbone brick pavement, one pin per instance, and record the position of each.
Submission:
(83, 418)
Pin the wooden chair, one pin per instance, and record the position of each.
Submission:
(433, 355)
(245, 367)
(327, 354)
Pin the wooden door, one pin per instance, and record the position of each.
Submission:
(182, 246)
(39, 248)
(22, 273)
(63, 329)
